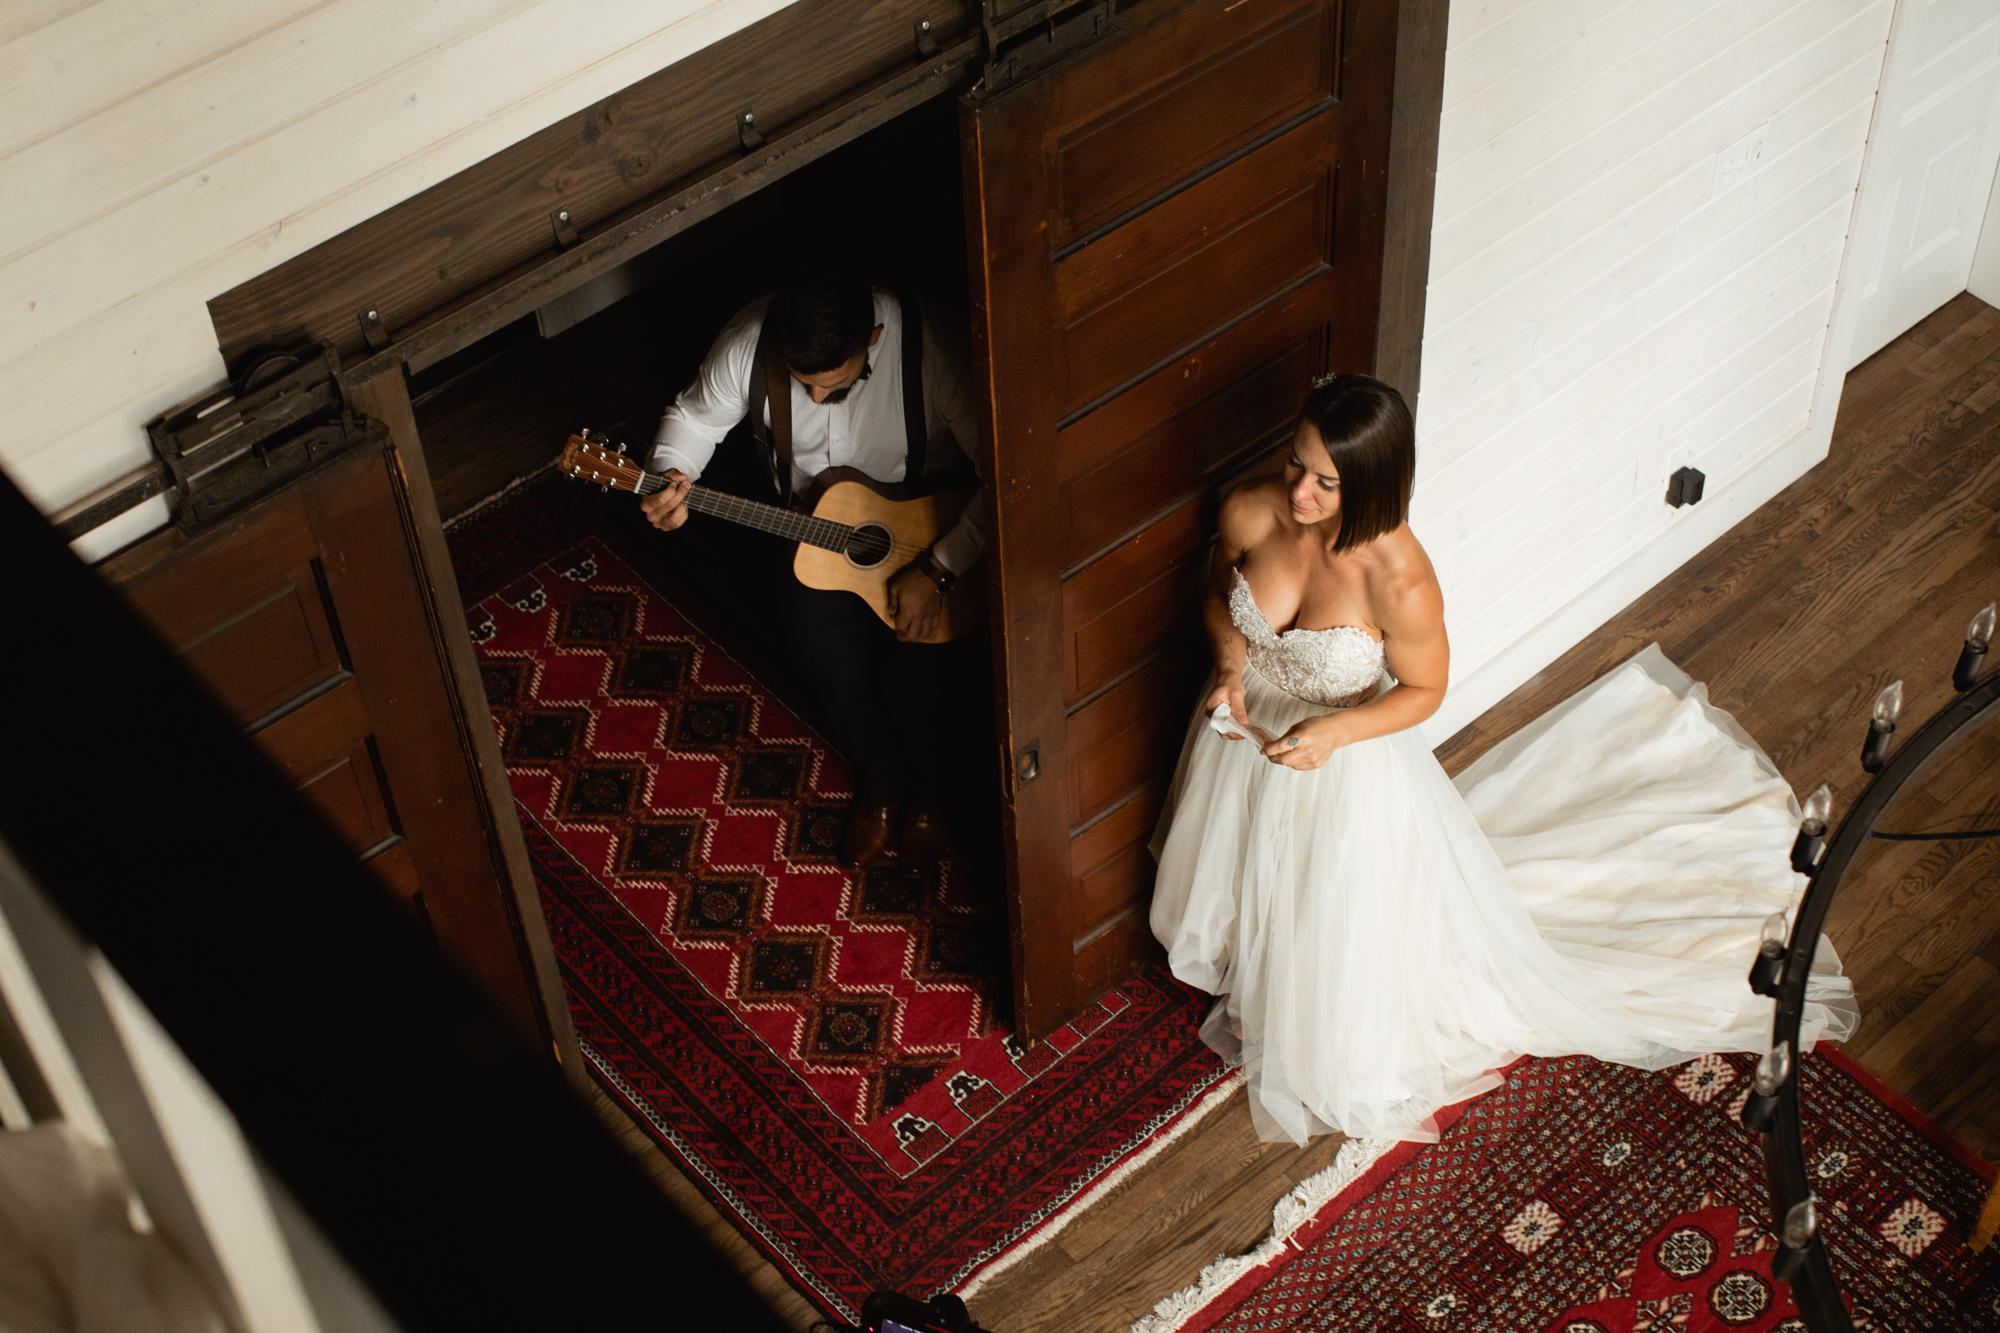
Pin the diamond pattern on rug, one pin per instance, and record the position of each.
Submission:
(981, 1142)
(706, 808)
(1583, 1197)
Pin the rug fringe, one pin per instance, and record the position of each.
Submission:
(1211, 1099)
(478, 507)
(1287, 1216)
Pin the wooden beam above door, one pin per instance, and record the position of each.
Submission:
(629, 172)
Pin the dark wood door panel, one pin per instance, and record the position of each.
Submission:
(1165, 235)
(1131, 734)
(312, 599)
(254, 624)
(327, 751)
(1180, 304)
(1146, 593)
(1185, 454)
(1171, 234)
(1111, 863)
(1170, 394)
(1205, 90)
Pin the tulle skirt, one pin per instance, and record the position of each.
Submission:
(1381, 940)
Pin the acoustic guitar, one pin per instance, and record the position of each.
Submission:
(857, 537)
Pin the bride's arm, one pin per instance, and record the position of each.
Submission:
(1410, 609)
(1225, 641)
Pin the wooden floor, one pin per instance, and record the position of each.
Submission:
(1864, 571)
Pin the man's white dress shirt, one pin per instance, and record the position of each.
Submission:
(865, 431)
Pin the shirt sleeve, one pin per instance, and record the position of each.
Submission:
(696, 421)
(952, 408)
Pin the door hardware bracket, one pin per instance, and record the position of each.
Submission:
(565, 229)
(748, 136)
(1027, 763)
(372, 330)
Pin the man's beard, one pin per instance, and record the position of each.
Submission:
(840, 395)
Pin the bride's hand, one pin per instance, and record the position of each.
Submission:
(1228, 689)
(1316, 740)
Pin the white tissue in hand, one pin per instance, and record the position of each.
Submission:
(1225, 724)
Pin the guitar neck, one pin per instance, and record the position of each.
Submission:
(774, 519)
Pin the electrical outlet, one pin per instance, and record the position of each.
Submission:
(1735, 163)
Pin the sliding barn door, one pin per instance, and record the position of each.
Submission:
(1172, 231)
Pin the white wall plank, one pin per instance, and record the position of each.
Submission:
(223, 139)
(85, 64)
(1599, 309)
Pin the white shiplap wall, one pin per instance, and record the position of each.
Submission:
(1604, 306)
(1598, 311)
(154, 153)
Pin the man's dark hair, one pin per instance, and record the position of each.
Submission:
(1372, 444)
(822, 323)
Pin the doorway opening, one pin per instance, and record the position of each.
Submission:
(613, 354)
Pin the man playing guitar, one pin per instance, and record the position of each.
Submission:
(881, 383)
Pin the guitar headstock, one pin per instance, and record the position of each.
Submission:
(600, 461)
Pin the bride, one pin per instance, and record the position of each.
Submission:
(1382, 941)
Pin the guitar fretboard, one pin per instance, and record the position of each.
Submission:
(820, 532)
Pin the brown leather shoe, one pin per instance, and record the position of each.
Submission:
(870, 830)
(922, 844)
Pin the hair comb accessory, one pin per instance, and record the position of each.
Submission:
(1320, 382)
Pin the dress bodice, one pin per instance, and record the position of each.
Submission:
(1337, 667)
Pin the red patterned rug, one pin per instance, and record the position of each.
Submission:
(1589, 1198)
(820, 1052)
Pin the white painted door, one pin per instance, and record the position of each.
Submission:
(1930, 165)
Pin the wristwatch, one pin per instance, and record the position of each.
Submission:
(931, 568)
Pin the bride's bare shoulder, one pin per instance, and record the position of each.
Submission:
(1250, 512)
(1401, 579)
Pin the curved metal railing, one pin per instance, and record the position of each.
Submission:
(1784, 964)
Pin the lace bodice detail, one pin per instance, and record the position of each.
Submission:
(1337, 667)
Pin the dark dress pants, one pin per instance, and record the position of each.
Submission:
(885, 700)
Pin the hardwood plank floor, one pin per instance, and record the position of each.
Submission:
(1863, 571)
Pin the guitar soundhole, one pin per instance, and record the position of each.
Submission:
(869, 546)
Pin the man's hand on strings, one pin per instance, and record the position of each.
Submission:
(916, 604)
(666, 508)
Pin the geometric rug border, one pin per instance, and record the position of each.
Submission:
(777, 1057)
(1304, 1232)
(714, 1185)
(1049, 1220)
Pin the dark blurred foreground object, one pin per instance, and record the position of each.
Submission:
(893, 1312)
(442, 1156)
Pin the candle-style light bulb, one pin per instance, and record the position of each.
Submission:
(1978, 636)
(1806, 848)
(1980, 631)
(1819, 806)
(1800, 1226)
(1801, 1223)
(1774, 930)
(1881, 725)
(1773, 1068)
(1888, 707)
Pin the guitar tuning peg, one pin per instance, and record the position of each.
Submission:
(619, 447)
(583, 434)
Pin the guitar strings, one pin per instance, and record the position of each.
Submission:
(821, 532)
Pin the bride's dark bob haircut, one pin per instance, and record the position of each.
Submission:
(1372, 444)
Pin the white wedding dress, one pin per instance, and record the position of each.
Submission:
(1382, 939)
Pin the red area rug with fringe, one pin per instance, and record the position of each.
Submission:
(820, 1052)
(1589, 1198)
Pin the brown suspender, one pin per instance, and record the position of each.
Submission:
(770, 382)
